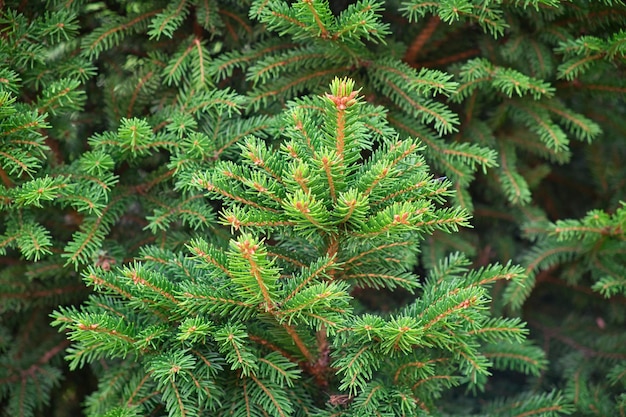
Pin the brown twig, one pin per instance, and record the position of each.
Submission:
(450, 58)
(6, 180)
(414, 49)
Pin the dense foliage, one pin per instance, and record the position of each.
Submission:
(302, 208)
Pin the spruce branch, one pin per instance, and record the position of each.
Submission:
(275, 320)
(249, 241)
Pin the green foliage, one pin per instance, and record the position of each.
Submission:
(590, 252)
(253, 243)
(275, 308)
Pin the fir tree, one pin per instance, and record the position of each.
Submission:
(118, 119)
(266, 326)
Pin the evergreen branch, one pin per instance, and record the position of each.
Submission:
(610, 286)
(316, 301)
(538, 147)
(517, 292)
(307, 211)
(201, 67)
(484, 277)
(575, 67)
(379, 280)
(467, 303)
(136, 275)
(361, 19)
(237, 18)
(322, 31)
(261, 157)
(61, 96)
(502, 356)
(27, 125)
(298, 342)
(448, 378)
(175, 69)
(161, 218)
(407, 148)
(281, 411)
(210, 303)
(206, 15)
(259, 125)
(278, 369)
(542, 57)
(293, 85)
(550, 404)
(583, 127)
(477, 365)
(199, 100)
(209, 255)
(382, 248)
(341, 202)
(478, 72)
(424, 367)
(357, 367)
(224, 65)
(265, 343)
(206, 183)
(286, 258)
(240, 218)
(512, 182)
(256, 266)
(452, 220)
(548, 132)
(418, 9)
(179, 401)
(389, 80)
(104, 182)
(473, 155)
(92, 233)
(351, 208)
(99, 282)
(303, 132)
(436, 147)
(231, 339)
(317, 270)
(168, 21)
(108, 37)
(286, 19)
(193, 57)
(539, 262)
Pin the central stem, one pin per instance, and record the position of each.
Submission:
(331, 251)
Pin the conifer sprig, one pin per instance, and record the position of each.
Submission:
(119, 118)
(268, 321)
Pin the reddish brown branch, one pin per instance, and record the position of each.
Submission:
(449, 59)
(414, 49)
(321, 366)
(554, 333)
(44, 293)
(53, 144)
(545, 277)
(44, 359)
(6, 180)
(299, 342)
